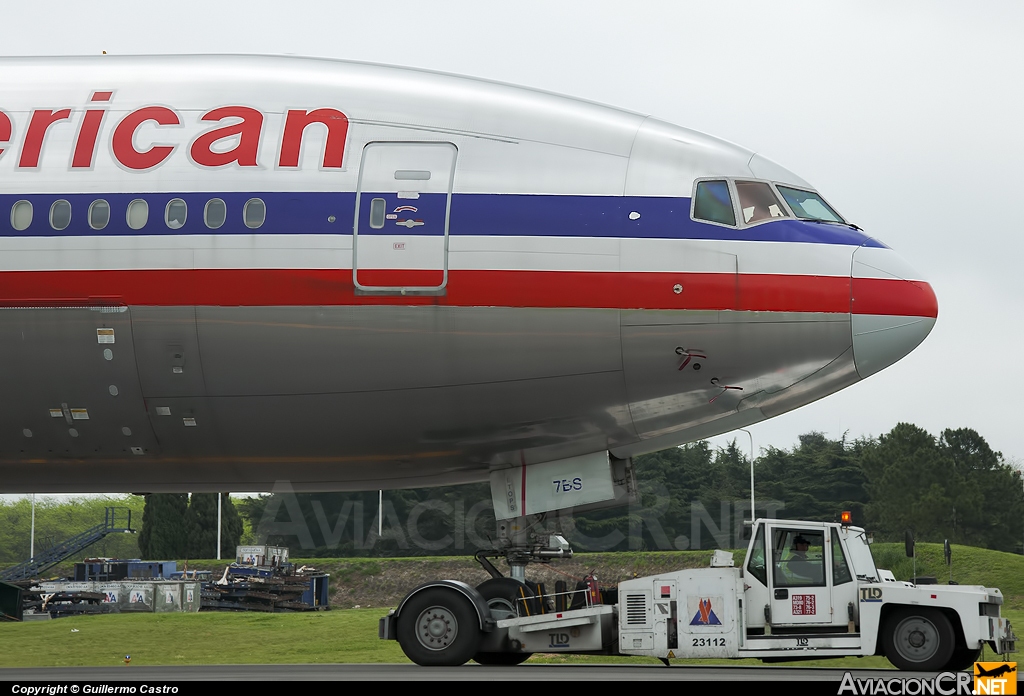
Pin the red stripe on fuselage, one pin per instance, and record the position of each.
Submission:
(908, 298)
(476, 288)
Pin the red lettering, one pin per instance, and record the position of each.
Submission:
(294, 127)
(36, 133)
(5, 129)
(248, 131)
(85, 143)
(123, 142)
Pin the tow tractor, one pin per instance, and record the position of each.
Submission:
(806, 590)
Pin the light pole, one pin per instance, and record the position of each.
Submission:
(752, 516)
(218, 526)
(32, 537)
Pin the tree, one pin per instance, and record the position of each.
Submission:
(231, 527)
(163, 526)
(201, 526)
(817, 479)
(954, 487)
(910, 483)
(989, 502)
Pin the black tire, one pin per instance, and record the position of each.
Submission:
(439, 627)
(963, 658)
(919, 639)
(501, 595)
(504, 596)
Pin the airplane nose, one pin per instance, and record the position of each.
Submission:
(892, 308)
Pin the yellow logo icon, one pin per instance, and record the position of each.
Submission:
(995, 678)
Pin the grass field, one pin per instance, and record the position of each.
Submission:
(350, 635)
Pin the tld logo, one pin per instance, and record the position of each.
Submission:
(558, 640)
(871, 594)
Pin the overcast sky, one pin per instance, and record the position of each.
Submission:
(907, 116)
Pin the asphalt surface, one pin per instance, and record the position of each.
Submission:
(406, 672)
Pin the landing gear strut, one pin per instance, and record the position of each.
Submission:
(521, 545)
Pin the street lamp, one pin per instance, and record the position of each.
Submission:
(32, 534)
(744, 430)
(218, 525)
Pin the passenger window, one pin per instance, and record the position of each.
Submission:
(840, 568)
(255, 213)
(60, 215)
(377, 210)
(175, 214)
(758, 202)
(755, 566)
(21, 215)
(99, 214)
(215, 214)
(798, 558)
(138, 214)
(713, 203)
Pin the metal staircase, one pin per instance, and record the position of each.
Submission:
(115, 520)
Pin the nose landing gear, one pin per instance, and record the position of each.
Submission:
(449, 622)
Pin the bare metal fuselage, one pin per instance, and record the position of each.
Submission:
(541, 290)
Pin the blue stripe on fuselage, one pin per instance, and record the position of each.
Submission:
(471, 214)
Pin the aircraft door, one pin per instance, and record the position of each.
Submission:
(798, 578)
(400, 232)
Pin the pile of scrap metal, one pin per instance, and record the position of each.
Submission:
(262, 579)
(24, 599)
(68, 603)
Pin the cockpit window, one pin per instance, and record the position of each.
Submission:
(758, 202)
(807, 205)
(797, 557)
(756, 566)
(713, 203)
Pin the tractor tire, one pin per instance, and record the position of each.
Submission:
(919, 639)
(439, 627)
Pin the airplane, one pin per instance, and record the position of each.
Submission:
(995, 671)
(221, 272)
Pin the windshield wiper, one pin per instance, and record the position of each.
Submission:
(831, 222)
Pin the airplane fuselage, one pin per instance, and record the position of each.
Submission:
(221, 272)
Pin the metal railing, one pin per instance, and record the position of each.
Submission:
(535, 605)
(115, 520)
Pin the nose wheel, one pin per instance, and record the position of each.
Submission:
(506, 598)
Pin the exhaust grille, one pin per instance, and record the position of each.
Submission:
(637, 609)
